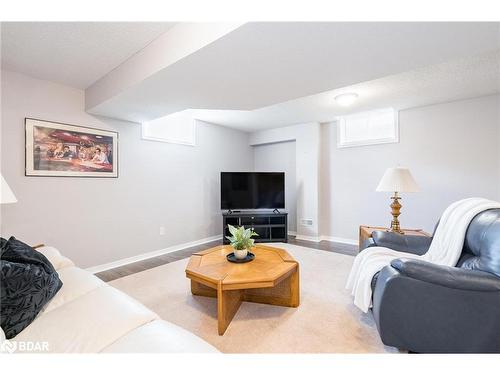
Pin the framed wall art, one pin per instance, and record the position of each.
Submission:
(64, 150)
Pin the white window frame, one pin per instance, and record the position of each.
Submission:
(341, 130)
(192, 142)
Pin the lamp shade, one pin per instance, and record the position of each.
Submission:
(6, 195)
(398, 180)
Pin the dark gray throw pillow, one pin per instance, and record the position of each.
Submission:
(28, 281)
(17, 251)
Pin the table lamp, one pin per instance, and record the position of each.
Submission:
(6, 194)
(397, 180)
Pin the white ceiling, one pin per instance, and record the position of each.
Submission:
(261, 64)
(73, 53)
(458, 79)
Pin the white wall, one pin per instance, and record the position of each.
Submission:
(307, 137)
(452, 150)
(95, 221)
(280, 157)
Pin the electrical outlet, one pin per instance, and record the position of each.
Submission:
(162, 230)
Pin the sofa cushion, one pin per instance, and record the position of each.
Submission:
(57, 260)
(89, 323)
(160, 337)
(76, 283)
(27, 283)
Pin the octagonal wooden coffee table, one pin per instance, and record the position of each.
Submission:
(271, 278)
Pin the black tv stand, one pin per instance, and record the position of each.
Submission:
(270, 226)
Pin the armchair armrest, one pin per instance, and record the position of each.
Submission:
(428, 308)
(407, 243)
(450, 277)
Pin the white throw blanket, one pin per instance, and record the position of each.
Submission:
(445, 249)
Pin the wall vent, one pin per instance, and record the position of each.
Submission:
(306, 222)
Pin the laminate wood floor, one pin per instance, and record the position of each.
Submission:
(143, 265)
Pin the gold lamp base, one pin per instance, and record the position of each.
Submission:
(395, 212)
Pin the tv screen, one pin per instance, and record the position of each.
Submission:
(252, 190)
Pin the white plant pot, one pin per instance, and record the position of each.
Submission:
(240, 254)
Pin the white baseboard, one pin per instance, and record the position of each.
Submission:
(347, 241)
(308, 238)
(152, 254)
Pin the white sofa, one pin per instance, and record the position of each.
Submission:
(89, 316)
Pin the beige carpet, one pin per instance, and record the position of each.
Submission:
(325, 322)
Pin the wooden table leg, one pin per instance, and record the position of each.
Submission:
(198, 289)
(285, 293)
(295, 288)
(228, 303)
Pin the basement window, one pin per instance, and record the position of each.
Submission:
(178, 128)
(368, 128)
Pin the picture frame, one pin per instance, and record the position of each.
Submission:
(56, 149)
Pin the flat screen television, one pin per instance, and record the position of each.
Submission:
(252, 190)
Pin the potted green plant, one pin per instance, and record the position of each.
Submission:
(241, 240)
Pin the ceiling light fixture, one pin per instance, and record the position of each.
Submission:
(346, 99)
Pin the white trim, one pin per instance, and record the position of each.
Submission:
(308, 238)
(152, 254)
(347, 241)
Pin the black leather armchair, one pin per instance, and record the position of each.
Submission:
(427, 308)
